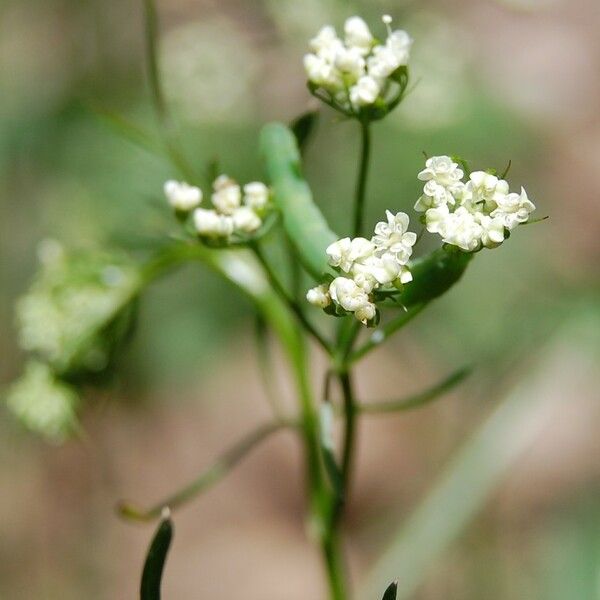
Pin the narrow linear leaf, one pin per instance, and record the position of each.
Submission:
(390, 593)
(209, 477)
(155, 560)
(420, 399)
(303, 221)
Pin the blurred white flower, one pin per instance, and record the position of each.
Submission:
(357, 72)
(181, 196)
(227, 195)
(325, 41)
(399, 43)
(358, 35)
(350, 61)
(246, 220)
(42, 403)
(71, 301)
(256, 195)
(209, 223)
(365, 91)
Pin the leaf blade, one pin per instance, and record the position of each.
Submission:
(304, 223)
(155, 560)
(390, 592)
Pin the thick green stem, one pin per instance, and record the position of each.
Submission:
(336, 577)
(361, 182)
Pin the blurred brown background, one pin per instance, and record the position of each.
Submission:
(512, 79)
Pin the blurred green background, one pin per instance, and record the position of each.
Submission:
(511, 80)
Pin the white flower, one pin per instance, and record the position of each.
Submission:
(322, 72)
(358, 35)
(182, 196)
(364, 92)
(405, 274)
(325, 39)
(434, 195)
(227, 195)
(246, 220)
(347, 294)
(462, 229)
(256, 195)
(211, 224)
(355, 71)
(399, 42)
(366, 312)
(514, 209)
(42, 403)
(492, 234)
(374, 271)
(319, 296)
(442, 170)
(382, 63)
(345, 252)
(436, 218)
(393, 237)
(351, 61)
(483, 191)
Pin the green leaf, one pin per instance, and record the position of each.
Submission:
(304, 223)
(303, 127)
(155, 560)
(420, 399)
(390, 593)
(433, 275)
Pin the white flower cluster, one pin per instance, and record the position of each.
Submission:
(73, 298)
(472, 214)
(234, 211)
(369, 266)
(42, 403)
(356, 71)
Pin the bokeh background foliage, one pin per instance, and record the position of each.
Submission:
(515, 513)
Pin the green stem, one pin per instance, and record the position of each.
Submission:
(361, 182)
(291, 302)
(350, 411)
(336, 577)
(167, 127)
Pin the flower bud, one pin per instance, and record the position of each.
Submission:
(319, 296)
(181, 196)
